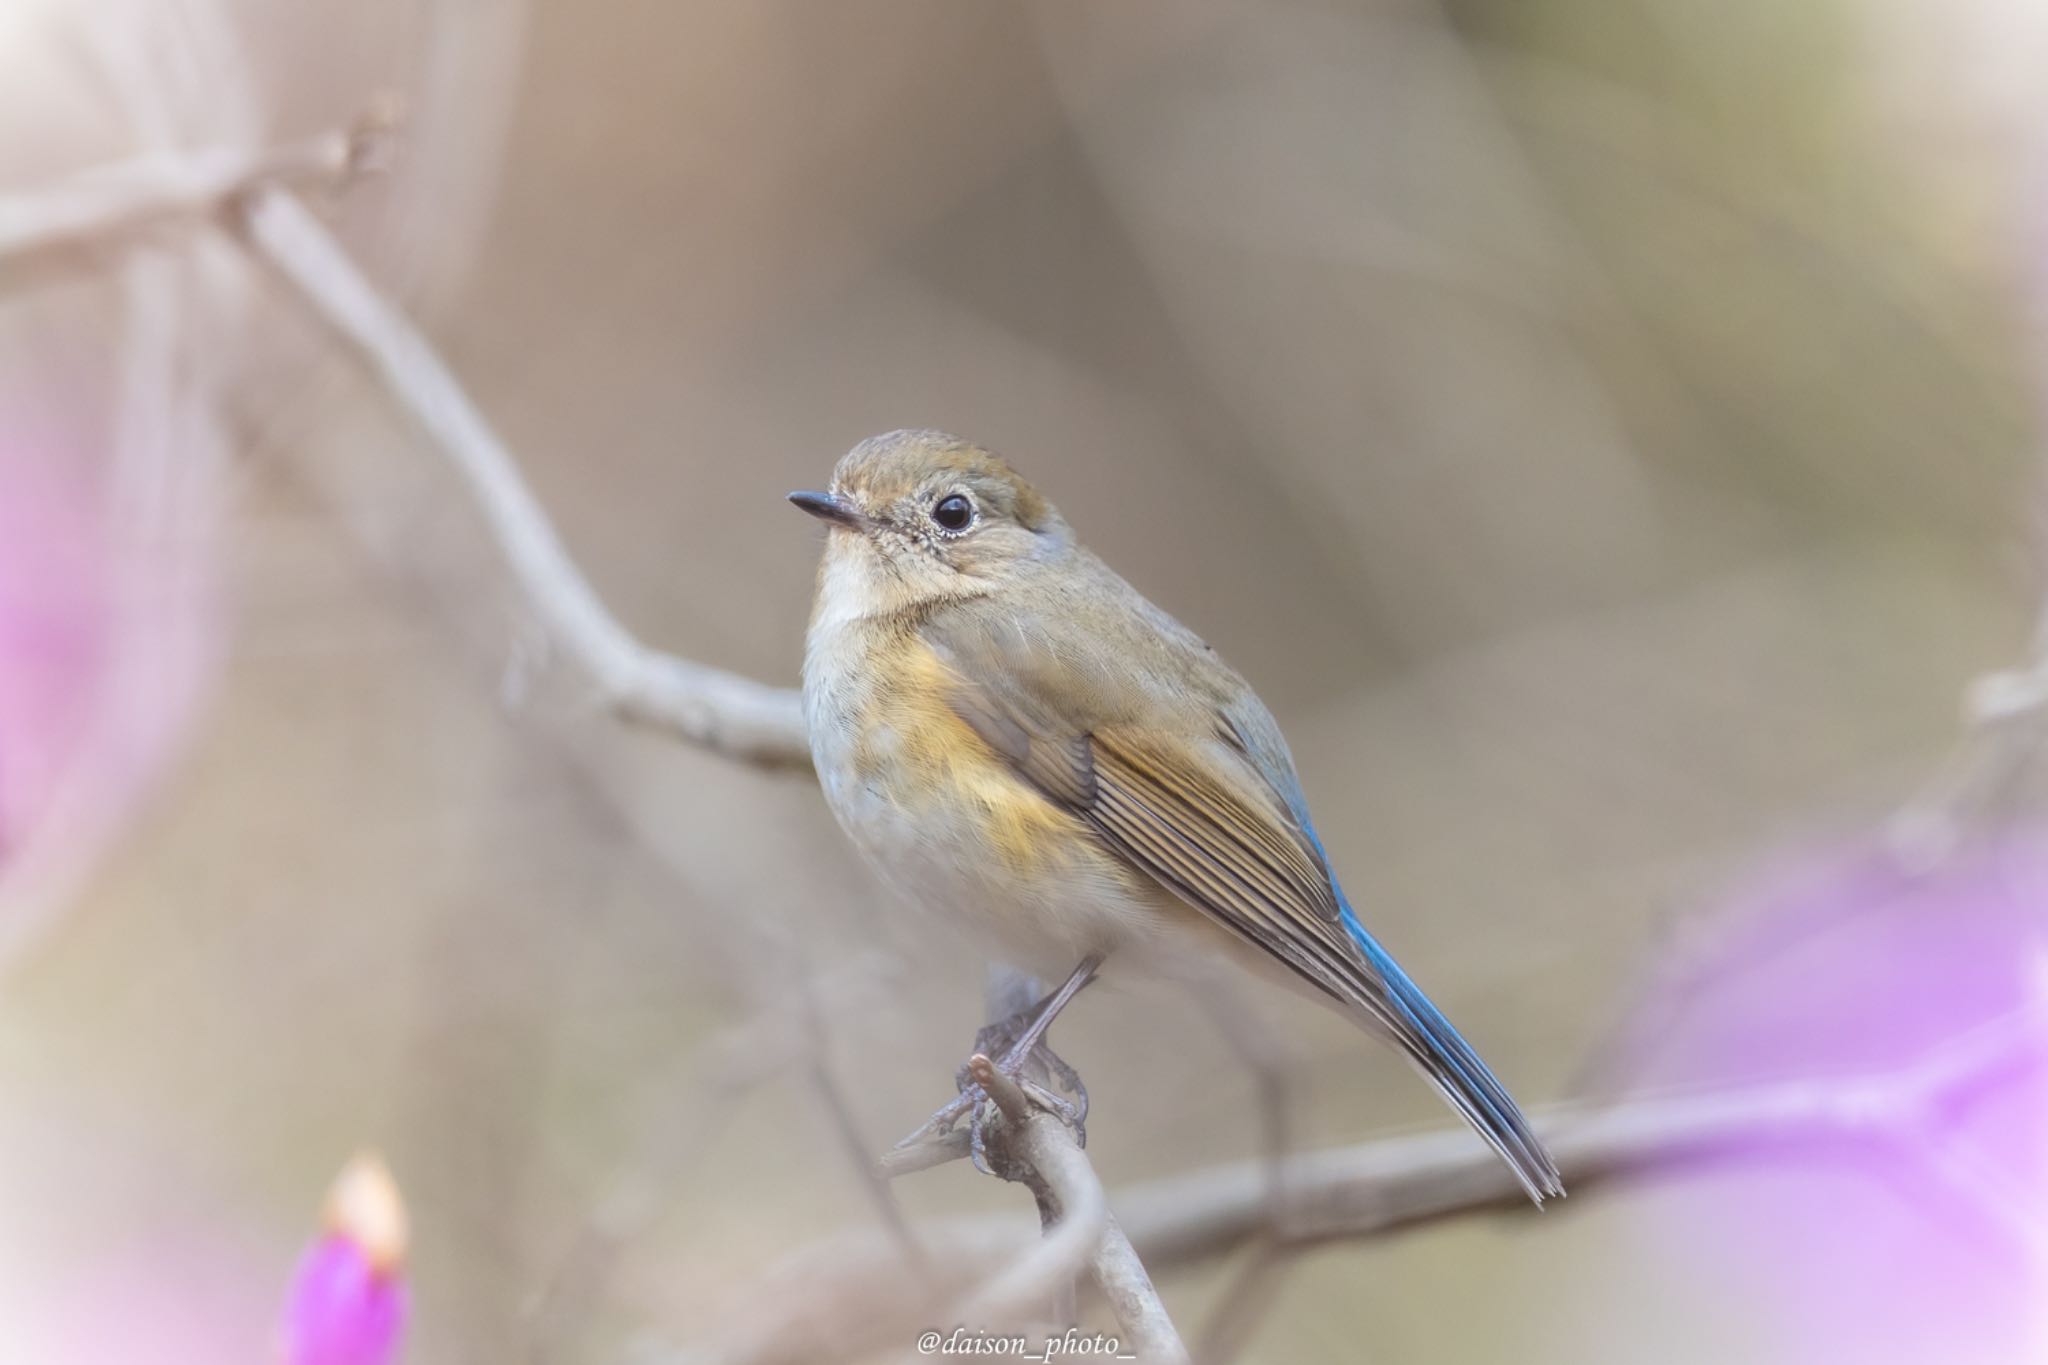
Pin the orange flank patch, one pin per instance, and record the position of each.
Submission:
(941, 765)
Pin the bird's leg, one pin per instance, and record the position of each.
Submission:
(1008, 1018)
(1021, 1046)
(1013, 1043)
(1020, 1036)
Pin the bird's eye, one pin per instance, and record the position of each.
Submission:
(954, 512)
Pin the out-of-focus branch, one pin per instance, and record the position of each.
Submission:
(770, 1042)
(130, 196)
(2006, 711)
(176, 334)
(855, 1294)
(839, 1108)
(1401, 1182)
(2005, 718)
(991, 1269)
(1395, 1183)
(733, 716)
(730, 715)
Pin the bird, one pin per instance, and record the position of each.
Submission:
(1022, 745)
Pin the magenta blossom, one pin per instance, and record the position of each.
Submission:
(53, 630)
(349, 1302)
(1923, 1238)
(107, 636)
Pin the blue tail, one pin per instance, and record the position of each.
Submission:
(1449, 1061)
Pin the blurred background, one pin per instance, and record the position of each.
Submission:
(1606, 434)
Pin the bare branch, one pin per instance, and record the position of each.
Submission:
(990, 1270)
(1246, 1299)
(1085, 1230)
(1394, 1183)
(1133, 1301)
(1041, 1141)
(1056, 1162)
(728, 1067)
(131, 196)
(2005, 712)
(1401, 1182)
(160, 483)
(2004, 727)
(839, 1107)
(921, 1151)
(730, 715)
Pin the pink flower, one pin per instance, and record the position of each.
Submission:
(108, 634)
(1922, 1240)
(349, 1302)
(53, 628)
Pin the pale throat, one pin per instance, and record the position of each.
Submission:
(856, 583)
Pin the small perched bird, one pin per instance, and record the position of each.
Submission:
(1018, 741)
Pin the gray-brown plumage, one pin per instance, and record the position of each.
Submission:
(1018, 739)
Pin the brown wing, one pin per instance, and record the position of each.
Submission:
(1224, 851)
(1190, 810)
(1177, 789)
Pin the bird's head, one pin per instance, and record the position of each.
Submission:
(919, 517)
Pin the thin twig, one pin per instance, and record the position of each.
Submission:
(839, 1107)
(1041, 1141)
(727, 1067)
(1084, 1232)
(131, 196)
(1245, 1300)
(730, 715)
(923, 1150)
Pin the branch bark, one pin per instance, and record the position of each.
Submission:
(132, 196)
(1053, 1163)
(733, 716)
(1402, 1182)
(1390, 1184)
(1085, 1233)
(730, 715)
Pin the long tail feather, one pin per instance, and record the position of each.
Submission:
(1449, 1062)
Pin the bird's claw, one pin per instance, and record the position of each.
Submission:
(1018, 1050)
(980, 1110)
(1038, 1071)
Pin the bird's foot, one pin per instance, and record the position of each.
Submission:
(1026, 1058)
(1017, 1050)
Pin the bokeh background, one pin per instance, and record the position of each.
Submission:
(1606, 433)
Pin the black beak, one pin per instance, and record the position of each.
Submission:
(825, 507)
